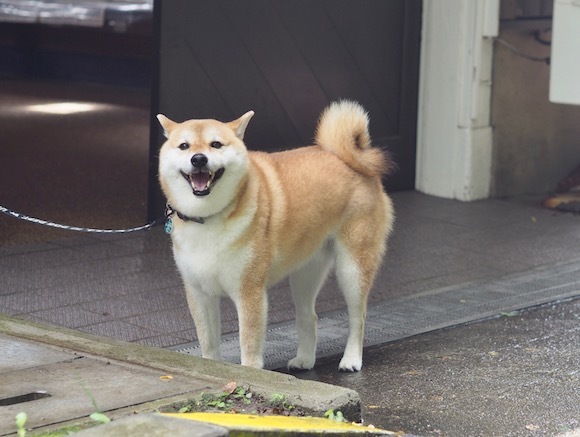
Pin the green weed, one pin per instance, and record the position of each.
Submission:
(337, 416)
(279, 400)
(21, 424)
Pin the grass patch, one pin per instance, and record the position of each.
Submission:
(236, 399)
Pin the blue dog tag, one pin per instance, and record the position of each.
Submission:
(168, 225)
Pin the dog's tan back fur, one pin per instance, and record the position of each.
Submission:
(317, 195)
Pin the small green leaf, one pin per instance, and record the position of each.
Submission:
(336, 416)
(20, 423)
(21, 420)
(100, 417)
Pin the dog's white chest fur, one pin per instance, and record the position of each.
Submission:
(206, 257)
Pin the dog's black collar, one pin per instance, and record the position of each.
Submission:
(169, 211)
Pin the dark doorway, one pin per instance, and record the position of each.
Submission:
(286, 60)
(74, 115)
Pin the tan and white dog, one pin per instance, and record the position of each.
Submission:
(242, 221)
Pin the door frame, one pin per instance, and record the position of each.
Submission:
(454, 132)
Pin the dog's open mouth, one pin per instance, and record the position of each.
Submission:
(202, 181)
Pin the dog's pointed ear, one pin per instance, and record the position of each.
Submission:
(239, 126)
(167, 124)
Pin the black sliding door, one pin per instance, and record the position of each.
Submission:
(286, 60)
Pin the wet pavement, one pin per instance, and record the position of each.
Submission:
(517, 374)
(513, 375)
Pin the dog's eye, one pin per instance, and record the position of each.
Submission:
(216, 144)
(183, 146)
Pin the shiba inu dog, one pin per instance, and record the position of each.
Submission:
(242, 221)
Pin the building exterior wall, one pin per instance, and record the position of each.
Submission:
(535, 142)
(485, 124)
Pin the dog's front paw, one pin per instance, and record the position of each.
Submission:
(350, 364)
(300, 363)
(254, 361)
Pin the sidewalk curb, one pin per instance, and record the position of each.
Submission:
(224, 425)
(312, 396)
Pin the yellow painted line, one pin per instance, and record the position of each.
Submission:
(248, 422)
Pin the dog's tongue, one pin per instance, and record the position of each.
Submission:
(200, 180)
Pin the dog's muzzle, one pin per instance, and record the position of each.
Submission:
(201, 178)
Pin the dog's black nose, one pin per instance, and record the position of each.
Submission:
(199, 160)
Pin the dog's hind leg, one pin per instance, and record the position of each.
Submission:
(305, 283)
(205, 309)
(360, 246)
(359, 255)
(355, 293)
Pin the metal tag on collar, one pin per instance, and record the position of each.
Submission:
(168, 225)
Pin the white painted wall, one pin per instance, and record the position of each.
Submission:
(454, 135)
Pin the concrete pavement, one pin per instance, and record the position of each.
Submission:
(513, 375)
(59, 377)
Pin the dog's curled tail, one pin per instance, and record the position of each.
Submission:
(343, 129)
